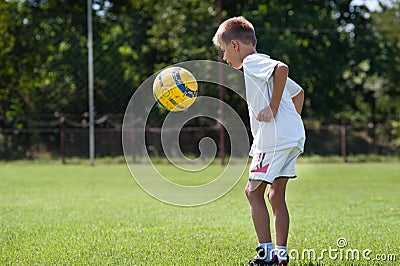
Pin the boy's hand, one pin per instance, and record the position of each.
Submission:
(266, 114)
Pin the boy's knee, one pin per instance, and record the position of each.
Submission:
(271, 196)
(253, 194)
(275, 199)
(247, 191)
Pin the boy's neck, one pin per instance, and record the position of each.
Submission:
(247, 50)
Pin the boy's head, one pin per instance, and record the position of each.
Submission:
(235, 37)
(237, 28)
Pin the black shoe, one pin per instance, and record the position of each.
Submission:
(283, 262)
(259, 260)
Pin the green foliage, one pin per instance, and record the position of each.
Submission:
(345, 57)
(305, 36)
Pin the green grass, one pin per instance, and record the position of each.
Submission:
(77, 214)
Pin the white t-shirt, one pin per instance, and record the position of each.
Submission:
(287, 129)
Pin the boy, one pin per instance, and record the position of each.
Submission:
(274, 103)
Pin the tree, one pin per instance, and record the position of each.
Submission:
(387, 90)
(311, 38)
(345, 57)
(38, 77)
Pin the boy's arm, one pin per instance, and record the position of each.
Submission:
(298, 101)
(280, 75)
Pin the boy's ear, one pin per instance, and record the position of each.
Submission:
(235, 45)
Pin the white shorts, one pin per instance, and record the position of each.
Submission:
(267, 167)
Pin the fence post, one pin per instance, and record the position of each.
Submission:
(62, 138)
(343, 141)
(133, 147)
(221, 96)
(90, 82)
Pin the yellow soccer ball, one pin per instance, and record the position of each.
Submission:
(175, 88)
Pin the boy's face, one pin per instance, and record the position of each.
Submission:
(231, 53)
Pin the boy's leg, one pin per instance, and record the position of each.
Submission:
(276, 197)
(255, 191)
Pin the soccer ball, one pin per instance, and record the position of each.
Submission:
(175, 88)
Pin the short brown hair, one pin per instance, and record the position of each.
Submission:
(236, 28)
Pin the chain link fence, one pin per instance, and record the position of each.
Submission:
(51, 120)
(64, 141)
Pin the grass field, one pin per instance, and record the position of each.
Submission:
(77, 214)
